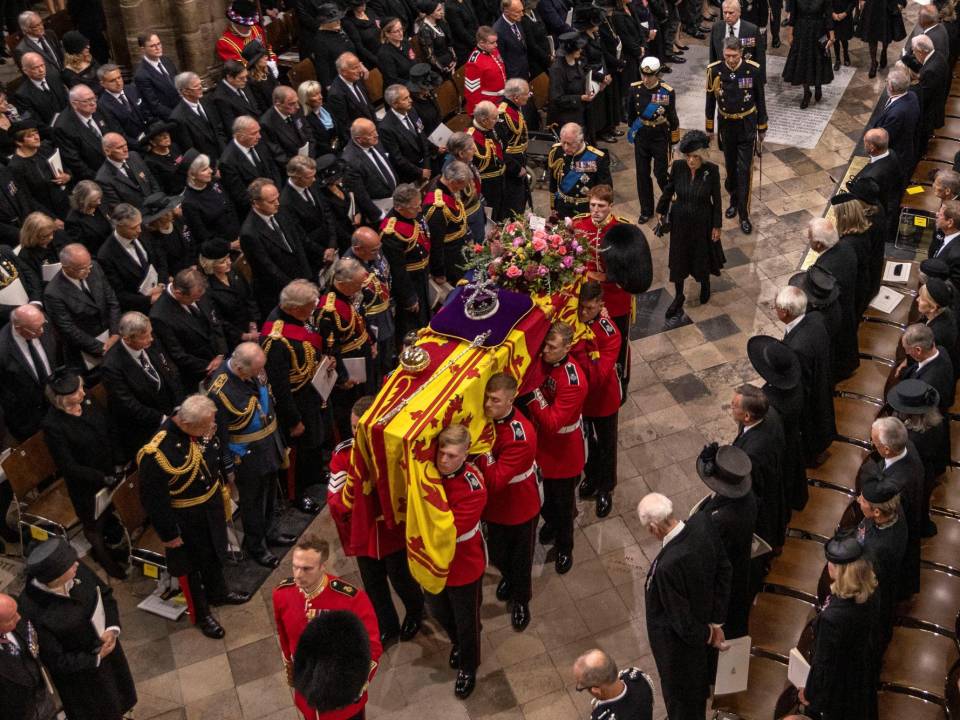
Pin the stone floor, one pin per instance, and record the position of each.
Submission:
(679, 400)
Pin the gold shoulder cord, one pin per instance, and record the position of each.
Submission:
(300, 374)
(12, 273)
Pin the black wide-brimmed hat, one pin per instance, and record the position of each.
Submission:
(725, 470)
(74, 42)
(243, 12)
(570, 42)
(913, 397)
(252, 52)
(24, 122)
(156, 205)
(863, 188)
(819, 285)
(328, 12)
(330, 168)
(774, 361)
(332, 662)
(50, 559)
(692, 141)
(843, 549)
(940, 291)
(422, 77)
(158, 127)
(587, 16)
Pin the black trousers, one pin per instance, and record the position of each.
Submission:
(601, 467)
(515, 192)
(559, 509)
(457, 609)
(342, 400)
(623, 357)
(651, 147)
(739, 139)
(203, 584)
(308, 467)
(776, 8)
(511, 552)
(257, 495)
(375, 574)
(492, 190)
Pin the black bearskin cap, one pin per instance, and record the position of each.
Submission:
(626, 257)
(332, 661)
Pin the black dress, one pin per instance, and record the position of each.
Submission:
(86, 77)
(166, 169)
(695, 208)
(340, 210)
(843, 29)
(395, 62)
(881, 21)
(34, 174)
(436, 46)
(262, 91)
(235, 305)
(32, 260)
(209, 214)
(365, 35)
(88, 230)
(808, 62)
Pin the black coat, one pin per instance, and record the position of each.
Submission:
(567, 83)
(935, 81)
(178, 248)
(327, 46)
(158, 91)
(23, 690)
(944, 327)
(34, 175)
(315, 221)
(890, 177)
(339, 210)
(840, 684)
(120, 188)
(368, 181)
(907, 474)
(365, 36)
(687, 589)
(884, 547)
(42, 105)
(513, 51)
(938, 373)
(901, 120)
(694, 214)
(235, 306)
(841, 262)
(273, 264)
(228, 105)
(538, 47)
(463, 22)
(237, 172)
(764, 443)
(15, 204)
(85, 450)
(80, 147)
(789, 406)
(50, 49)
(191, 340)
(21, 396)
(262, 90)
(209, 214)
(69, 646)
(192, 131)
(78, 317)
(437, 47)
(167, 171)
(91, 231)
(285, 137)
(325, 139)
(135, 402)
(32, 260)
(734, 520)
(810, 341)
(882, 22)
(134, 116)
(409, 151)
(863, 245)
(395, 63)
(125, 276)
(344, 106)
(808, 63)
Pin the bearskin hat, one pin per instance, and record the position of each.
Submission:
(332, 661)
(626, 257)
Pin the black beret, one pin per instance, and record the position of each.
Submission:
(842, 549)
(215, 249)
(875, 490)
(63, 381)
(50, 559)
(332, 661)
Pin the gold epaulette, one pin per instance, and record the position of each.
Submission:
(438, 200)
(285, 583)
(622, 220)
(580, 215)
(276, 332)
(217, 385)
(715, 62)
(596, 151)
(753, 62)
(666, 87)
(638, 83)
(151, 447)
(344, 588)
(331, 302)
(388, 228)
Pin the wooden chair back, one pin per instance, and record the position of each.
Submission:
(540, 86)
(374, 83)
(448, 99)
(28, 465)
(301, 72)
(126, 501)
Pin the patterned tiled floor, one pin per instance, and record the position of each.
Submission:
(680, 390)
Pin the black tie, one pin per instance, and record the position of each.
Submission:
(48, 49)
(388, 177)
(93, 128)
(123, 100)
(148, 368)
(406, 119)
(283, 238)
(40, 370)
(360, 97)
(195, 311)
(244, 96)
(163, 70)
(254, 157)
(731, 31)
(200, 111)
(308, 197)
(140, 254)
(44, 86)
(86, 289)
(516, 32)
(125, 169)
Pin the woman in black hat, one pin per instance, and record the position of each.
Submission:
(31, 169)
(692, 199)
(808, 62)
(935, 303)
(338, 198)
(568, 79)
(423, 86)
(395, 57)
(84, 444)
(78, 628)
(436, 42)
(260, 81)
(840, 681)
(602, 114)
(363, 31)
(329, 43)
(206, 208)
(79, 67)
(164, 227)
(163, 157)
(230, 294)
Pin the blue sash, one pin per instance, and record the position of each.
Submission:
(569, 181)
(256, 422)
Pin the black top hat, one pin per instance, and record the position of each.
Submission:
(774, 361)
(158, 204)
(587, 16)
(865, 188)
(940, 291)
(252, 52)
(692, 141)
(63, 381)
(50, 559)
(843, 549)
(74, 42)
(243, 12)
(330, 168)
(215, 249)
(913, 397)
(935, 268)
(725, 470)
(570, 42)
(819, 285)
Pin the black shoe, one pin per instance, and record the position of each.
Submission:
(282, 540)
(805, 103)
(503, 590)
(817, 95)
(520, 616)
(703, 31)
(873, 70)
(410, 627)
(465, 684)
(836, 64)
(675, 59)
(618, 132)
(210, 627)
(563, 563)
(883, 60)
(604, 504)
(776, 42)
(547, 535)
(234, 597)
(730, 212)
(709, 18)
(454, 660)
(587, 489)
(846, 58)
(746, 227)
(676, 307)
(643, 219)
(704, 293)
(307, 505)
(388, 636)
(680, 47)
(665, 69)
(265, 558)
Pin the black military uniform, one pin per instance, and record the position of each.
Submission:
(743, 114)
(378, 313)
(247, 427)
(511, 129)
(446, 219)
(490, 164)
(654, 126)
(23, 689)
(181, 491)
(405, 245)
(572, 176)
(634, 703)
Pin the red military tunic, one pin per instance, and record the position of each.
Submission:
(466, 496)
(381, 540)
(230, 45)
(293, 609)
(604, 382)
(510, 471)
(617, 300)
(556, 412)
(489, 157)
(483, 78)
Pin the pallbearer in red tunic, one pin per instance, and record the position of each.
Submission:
(598, 358)
(297, 600)
(489, 156)
(383, 555)
(484, 74)
(457, 606)
(406, 246)
(556, 410)
(513, 496)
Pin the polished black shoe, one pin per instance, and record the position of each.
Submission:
(308, 505)
(547, 535)
(282, 540)
(454, 660)
(643, 219)
(210, 627)
(520, 616)
(873, 70)
(234, 597)
(846, 58)
(503, 590)
(817, 95)
(675, 59)
(680, 47)
(604, 504)
(730, 212)
(805, 103)
(265, 558)
(776, 42)
(608, 138)
(704, 293)
(676, 306)
(410, 627)
(618, 132)
(836, 64)
(665, 69)
(746, 227)
(703, 31)
(465, 684)
(587, 489)
(388, 636)
(563, 563)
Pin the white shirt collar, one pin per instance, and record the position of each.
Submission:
(117, 165)
(736, 30)
(924, 363)
(155, 63)
(793, 323)
(881, 156)
(748, 428)
(39, 83)
(21, 342)
(678, 528)
(887, 462)
(135, 354)
(265, 218)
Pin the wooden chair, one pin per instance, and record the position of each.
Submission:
(955, 88)
(374, 85)
(146, 548)
(821, 515)
(879, 341)
(924, 172)
(917, 662)
(776, 621)
(758, 702)
(869, 381)
(540, 86)
(943, 549)
(242, 266)
(41, 512)
(98, 393)
(954, 410)
(935, 607)
(946, 494)
(458, 79)
(940, 150)
(925, 201)
(301, 72)
(912, 283)
(448, 99)
(951, 126)
(854, 418)
(796, 570)
(840, 468)
(898, 706)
